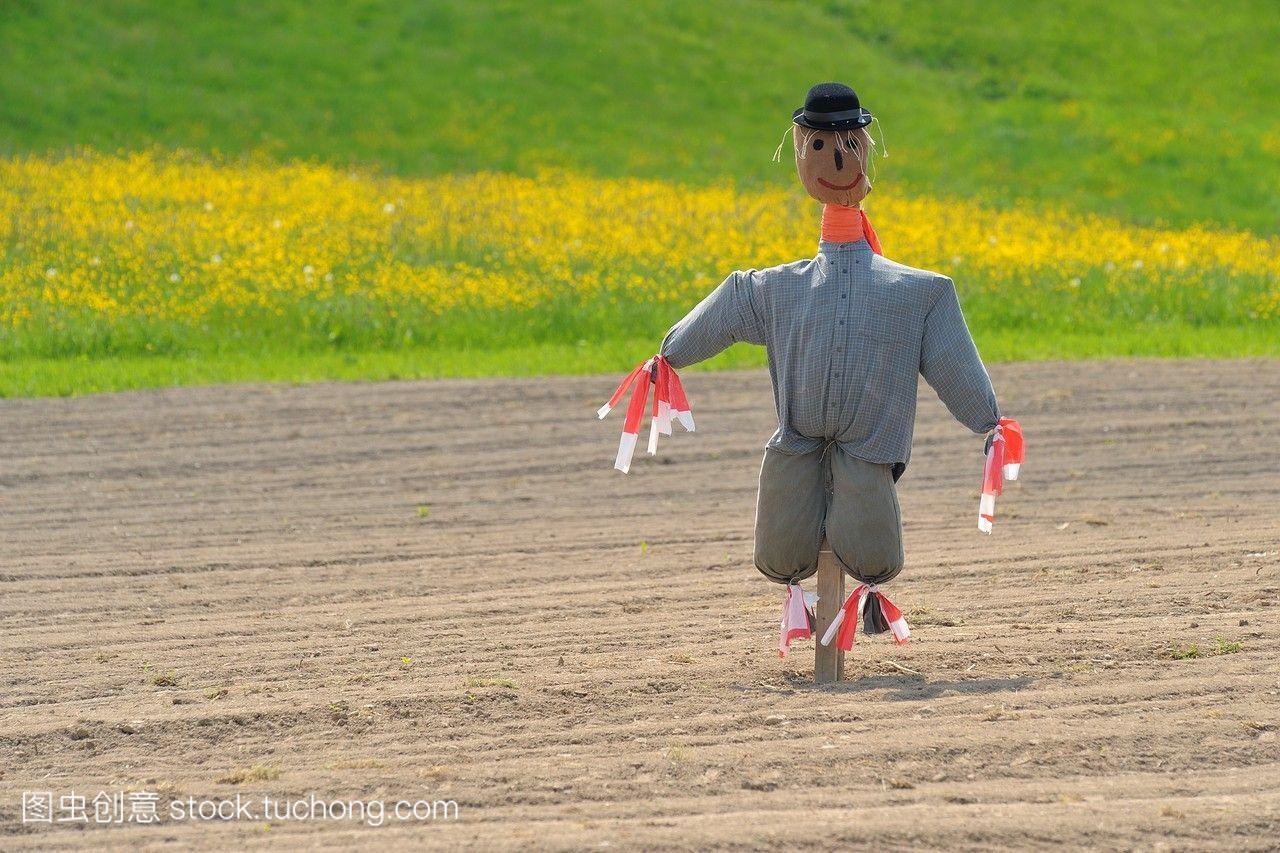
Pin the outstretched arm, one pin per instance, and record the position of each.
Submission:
(950, 363)
(728, 314)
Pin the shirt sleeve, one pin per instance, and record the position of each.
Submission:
(950, 363)
(728, 315)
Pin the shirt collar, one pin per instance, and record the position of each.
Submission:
(827, 248)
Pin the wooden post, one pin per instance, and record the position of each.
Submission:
(828, 661)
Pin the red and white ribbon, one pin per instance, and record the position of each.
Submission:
(677, 401)
(844, 627)
(1004, 462)
(669, 401)
(796, 622)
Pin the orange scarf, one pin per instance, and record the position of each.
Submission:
(842, 224)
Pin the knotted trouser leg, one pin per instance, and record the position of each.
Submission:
(789, 514)
(864, 521)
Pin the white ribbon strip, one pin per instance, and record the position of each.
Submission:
(834, 627)
(626, 449)
(986, 507)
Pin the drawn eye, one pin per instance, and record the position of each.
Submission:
(817, 145)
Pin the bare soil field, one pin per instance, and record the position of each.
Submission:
(442, 590)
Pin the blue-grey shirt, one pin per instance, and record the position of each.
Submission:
(848, 333)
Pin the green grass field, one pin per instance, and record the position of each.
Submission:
(26, 376)
(1148, 113)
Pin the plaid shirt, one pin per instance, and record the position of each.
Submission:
(848, 333)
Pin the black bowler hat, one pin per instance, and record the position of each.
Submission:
(831, 106)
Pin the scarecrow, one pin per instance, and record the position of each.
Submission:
(848, 332)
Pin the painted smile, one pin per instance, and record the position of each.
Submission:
(832, 186)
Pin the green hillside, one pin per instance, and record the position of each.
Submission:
(279, 189)
(1146, 111)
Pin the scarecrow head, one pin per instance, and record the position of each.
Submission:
(832, 146)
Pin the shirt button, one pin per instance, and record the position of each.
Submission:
(839, 349)
(846, 269)
(844, 296)
(842, 322)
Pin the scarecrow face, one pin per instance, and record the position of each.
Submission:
(832, 164)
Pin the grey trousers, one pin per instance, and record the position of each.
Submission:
(806, 494)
